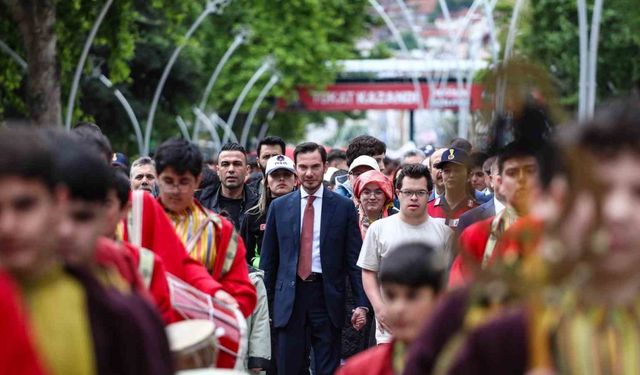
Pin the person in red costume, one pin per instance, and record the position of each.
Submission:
(17, 355)
(411, 279)
(518, 183)
(209, 238)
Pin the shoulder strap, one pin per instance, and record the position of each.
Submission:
(145, 266)
(196, 235)
(134, 222)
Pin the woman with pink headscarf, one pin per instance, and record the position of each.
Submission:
(373, 193)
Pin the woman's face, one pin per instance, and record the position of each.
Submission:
(281, 182)
(372, 198)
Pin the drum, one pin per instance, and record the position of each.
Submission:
(193, 344)
(230, 325)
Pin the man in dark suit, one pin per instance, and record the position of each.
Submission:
(490, 208)
(311, 242)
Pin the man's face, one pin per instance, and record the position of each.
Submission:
(519, 182)
(144, 178)
(621, 210)
(28, 212)
(281, 182)
(454, 176)
(310, 170)
(436, 173)
(477, 178)
(80, 228)
(267, 152)
(413, 197)
(232, 168)
(407, 309)
(380, 159)
(114, 213)
(176, 190)
(357, 171)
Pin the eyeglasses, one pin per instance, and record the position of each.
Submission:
(182, 186)
(367, 193)
(417, 193)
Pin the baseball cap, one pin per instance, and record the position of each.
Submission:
(121, 159)
(280, 162)
(364, 160)
(453, 155)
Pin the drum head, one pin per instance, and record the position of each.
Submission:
(185, 334)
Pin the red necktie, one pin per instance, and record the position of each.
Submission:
(306, 240)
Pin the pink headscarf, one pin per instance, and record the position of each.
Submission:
(383, 184)
(377, 178)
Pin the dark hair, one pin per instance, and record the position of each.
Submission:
(179, 154)
(614, 129)
(233, 146)
(335, 154)
(414, 265)
(461, 143)
(120, 183)
(271, 140)
(478, 159)
(209, 177)
(25, 153)
(364, 145)
(515, 150)
(308, 147)
(80, 169)
(489, 163)
(416, 171)
(551, 163)
(93, 137)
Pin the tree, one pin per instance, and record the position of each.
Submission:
(137, 37)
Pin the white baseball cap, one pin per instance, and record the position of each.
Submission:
(280, 162)
(364, 160)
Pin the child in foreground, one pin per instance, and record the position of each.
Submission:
(411, 278)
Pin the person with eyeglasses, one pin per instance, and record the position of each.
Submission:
(411, 224)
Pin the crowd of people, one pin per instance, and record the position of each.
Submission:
(451, 260)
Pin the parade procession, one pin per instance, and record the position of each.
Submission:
(306, 187)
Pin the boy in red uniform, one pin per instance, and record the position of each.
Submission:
(518, 181)
(457, 198)
(208, 237)
(411, 278)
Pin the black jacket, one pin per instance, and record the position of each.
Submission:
(209, 197)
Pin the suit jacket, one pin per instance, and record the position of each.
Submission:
(484, 211)
(340, 244)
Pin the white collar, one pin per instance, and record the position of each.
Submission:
(499, 207)
(318, 194)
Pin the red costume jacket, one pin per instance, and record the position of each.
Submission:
(439, 208)
(17, 354)
(373, 361)
(472, 241)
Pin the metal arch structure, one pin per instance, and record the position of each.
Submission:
(396, 34)
(588, 44)
(83, 58)
(254, 108)
(239, 39)
(210, 126)
(213, 6)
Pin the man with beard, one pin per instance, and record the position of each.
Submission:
(232, 198)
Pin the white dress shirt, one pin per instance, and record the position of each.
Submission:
(498, 206)
(316, 266)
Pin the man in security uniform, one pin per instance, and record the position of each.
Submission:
(457, 198)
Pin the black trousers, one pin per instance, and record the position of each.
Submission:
(309, 324)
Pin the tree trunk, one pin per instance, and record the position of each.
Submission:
(36, 21)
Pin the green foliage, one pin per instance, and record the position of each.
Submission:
(550, 37)
(137, 38)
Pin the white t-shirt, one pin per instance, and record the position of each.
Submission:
(388, 233)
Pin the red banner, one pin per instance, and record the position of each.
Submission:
(354, 96)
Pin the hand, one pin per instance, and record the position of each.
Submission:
(225, 297)
(381, 317)
(359, 318)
